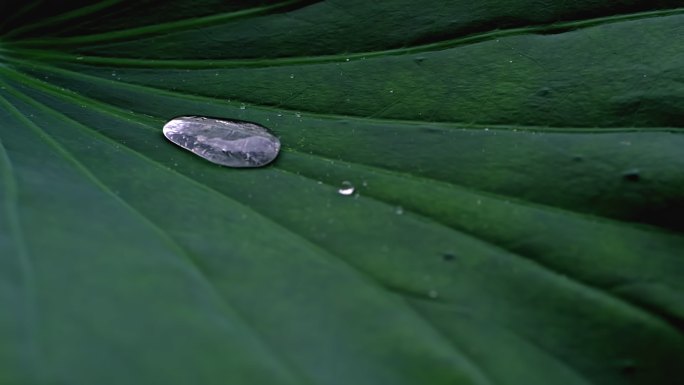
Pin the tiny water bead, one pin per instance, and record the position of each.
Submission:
(229, 143)
(632, 175)
(346, 189)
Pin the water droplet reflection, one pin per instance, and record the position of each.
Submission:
(226, 142)
(346, 189)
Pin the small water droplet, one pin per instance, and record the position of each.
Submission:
(347, 59)
(628, 367)
(79, 58)
(399, 210)
(632, 175)
(391, 91)
(433, 293)
(243, 106)
(297, 114)
(292, 76)
(230, 143)
(346, 189)
(544, 91)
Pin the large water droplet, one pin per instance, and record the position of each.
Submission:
(230, 143)
(346, 189)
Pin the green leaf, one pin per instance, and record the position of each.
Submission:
(517, 216)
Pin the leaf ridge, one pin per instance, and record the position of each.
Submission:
(444, 125)
(174, 26)
(441, 45)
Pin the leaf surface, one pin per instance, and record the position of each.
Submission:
(517, 216)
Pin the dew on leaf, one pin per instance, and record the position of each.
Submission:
(544, 91)
(627, 367)
(346, 189)
(632, 175)
(230, 143)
